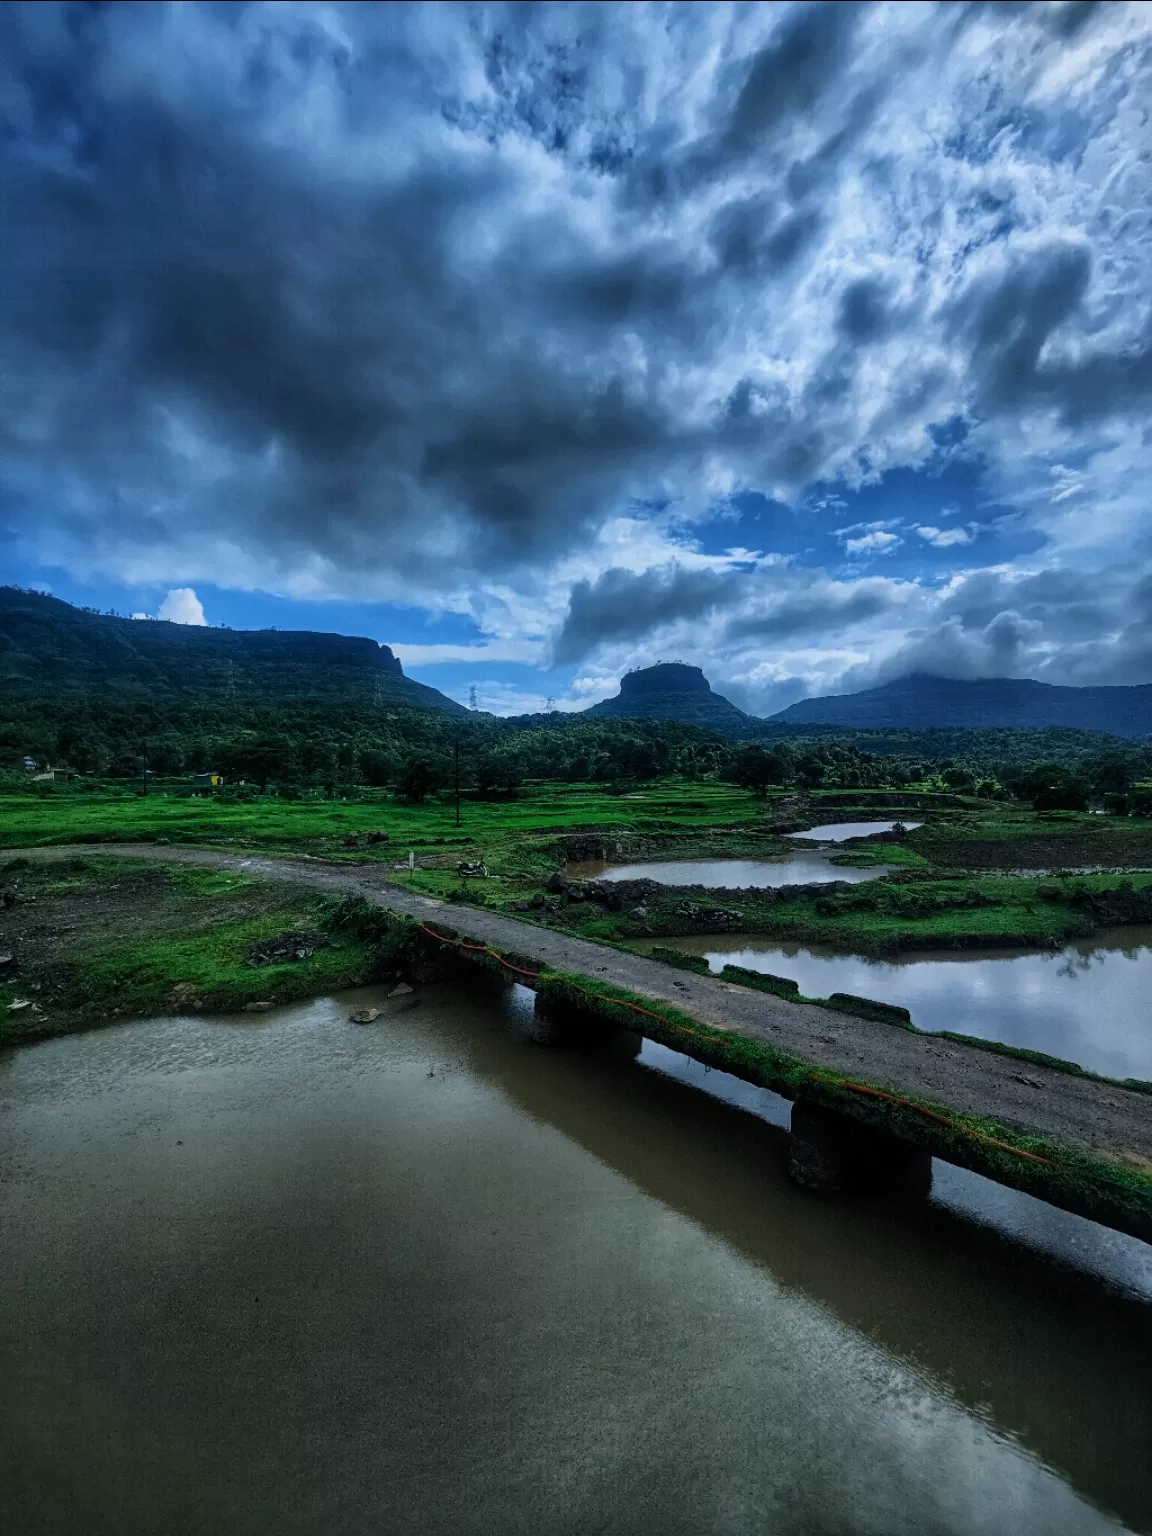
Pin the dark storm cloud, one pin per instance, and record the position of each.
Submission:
(818, 607)
(413, 300)
(621, 605)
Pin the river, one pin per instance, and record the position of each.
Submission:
(284, 1273)
(1086, 1003)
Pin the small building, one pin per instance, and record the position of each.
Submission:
(30, 764)
(207, 780)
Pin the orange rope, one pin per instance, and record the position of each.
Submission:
(875, 1093)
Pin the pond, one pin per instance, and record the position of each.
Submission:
(1087, 1003)
(731, 874)
(841, 831)
(285, 1273)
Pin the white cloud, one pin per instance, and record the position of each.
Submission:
(945, 538)
(491, 650)
(182, 606)
(879, 543)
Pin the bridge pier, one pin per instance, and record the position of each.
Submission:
(554, 1024)
(831, 1154)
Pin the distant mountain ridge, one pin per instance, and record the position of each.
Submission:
(923, 702)
(51, 648)
(671, 690)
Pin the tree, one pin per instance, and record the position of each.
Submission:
(959, 778)
(377, 767)
(497, 773)
(754, 769)
(810, 770)
(418, 777)
(1111, 774)
(1052, 787)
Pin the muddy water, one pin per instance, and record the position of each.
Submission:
(841, 831)
(290, 1274)
(730, 874)
(1088, 1003)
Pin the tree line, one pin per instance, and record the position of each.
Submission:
(319, 745)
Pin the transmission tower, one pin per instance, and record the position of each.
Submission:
(550, 704)
(472, 704)
(230, 686)
(377, 695)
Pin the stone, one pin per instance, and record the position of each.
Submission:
(402, 989)
(6, 959)
(365, 1016)
(557, 885)
(639, 911)
(18, 1003)
(261, 1007)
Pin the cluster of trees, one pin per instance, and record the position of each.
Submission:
(1107, 776)
(301, 745)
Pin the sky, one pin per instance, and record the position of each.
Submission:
(807, 343)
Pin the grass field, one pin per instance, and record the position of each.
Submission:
(272, 823)
(128, 937)
(96, 941)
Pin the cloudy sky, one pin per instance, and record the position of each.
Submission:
(810, 343)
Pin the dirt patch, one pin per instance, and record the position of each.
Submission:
(45, 927)
(1038, 851)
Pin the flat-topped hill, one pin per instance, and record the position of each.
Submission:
(50, 648)
(671, 690)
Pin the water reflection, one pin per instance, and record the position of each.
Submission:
(841, 831)
(731, 874)
(1087, 1003)
(289, 1273)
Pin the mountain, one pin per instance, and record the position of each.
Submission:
(920, 702)
(673, 691)
(49, 648)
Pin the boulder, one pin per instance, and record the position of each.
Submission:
(557, 884)
(402, 989)
(261, 1007)
(365, 1016)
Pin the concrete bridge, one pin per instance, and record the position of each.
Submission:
(872, 1102)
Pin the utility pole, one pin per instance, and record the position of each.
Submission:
(457, 783)
(144, 766)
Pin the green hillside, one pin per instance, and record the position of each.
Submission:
(50, 649)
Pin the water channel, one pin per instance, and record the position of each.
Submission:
(1087, 1003)
(284, 1273)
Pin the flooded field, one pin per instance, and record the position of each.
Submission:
(1090, 1002)
(841, 831)
(284, 1273)
(807, 868)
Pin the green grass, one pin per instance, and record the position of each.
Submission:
(272, 823)
(165, 939)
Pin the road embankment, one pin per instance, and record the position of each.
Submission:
(1082, 1143)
